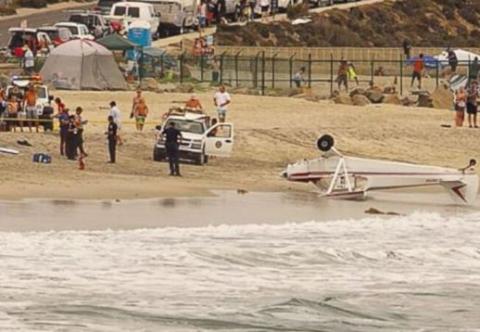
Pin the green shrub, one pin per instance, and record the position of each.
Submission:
(32, 3)
(297, 10)
(7, 11)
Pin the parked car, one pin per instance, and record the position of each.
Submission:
(78, 30)
(58, 35)
(198, 140)
(177, 16)
(34, 39)
(95, 22)
(104, 6)
(127, 12)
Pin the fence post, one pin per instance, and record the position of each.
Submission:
(273, 70)
(372, 69)
(290, 63)
(221, 67)
(202, 59)
(181, 66)
(331, 74)
(255, 77)
(309, 70)
(263, 73)
(401, 75)
(236, 67)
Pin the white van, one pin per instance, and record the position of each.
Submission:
(176, 16)
(127, 12)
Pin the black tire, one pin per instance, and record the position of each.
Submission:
(157, 155)
(325, 143)
(200, 159)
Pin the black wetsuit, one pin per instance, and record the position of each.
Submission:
(171, 146)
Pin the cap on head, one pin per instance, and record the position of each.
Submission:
(172, 124)
(112, 103)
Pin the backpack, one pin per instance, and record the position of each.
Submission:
(42, 158)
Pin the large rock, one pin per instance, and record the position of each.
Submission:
(360, 100)
(375, 96)
(407, 101)
(389, 89)
(185, 88)
(442, 98)
(425, 100)
(149, 84)
(166, 87)
(343, 99)
(358, 91)
(392, 99)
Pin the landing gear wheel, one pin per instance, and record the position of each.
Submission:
(325, 143)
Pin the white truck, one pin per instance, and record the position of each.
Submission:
(127, 12)
(198, 139)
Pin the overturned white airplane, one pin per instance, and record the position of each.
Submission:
(352, 178)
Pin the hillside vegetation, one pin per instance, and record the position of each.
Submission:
(425, 23)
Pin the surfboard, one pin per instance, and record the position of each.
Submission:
(8, 151)
(458, 81)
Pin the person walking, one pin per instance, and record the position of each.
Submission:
(342, 75)
(221, 100)
(28, 61)
(202, 16)
(172, 137)
(30, 105)
(140, 113)
(71, 139)
(79, 123)
(299, 78)
(472, 104)
(407, 48)
(215, 71)
(63, 124)
(460, 104)
(452, 61)
(112, 137)
(116, 115)
(352, 73)
(418, 67)
(12, 112)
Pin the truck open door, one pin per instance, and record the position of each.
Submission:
(219, 140)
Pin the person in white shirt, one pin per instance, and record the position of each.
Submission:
(29, 60)
(116, 115)
(265, 6)
(221, 100)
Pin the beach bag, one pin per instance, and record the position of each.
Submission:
(42, 158)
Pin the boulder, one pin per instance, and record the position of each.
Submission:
(358, 91)
(184, 88)
(149, 84)
(166, 87)
(343, 99)
(425, 100)
(291, 92)
(360, 100)
(392, 99)
(375, 96)
(407, 101)
(389, 89)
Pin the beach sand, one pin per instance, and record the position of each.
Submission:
(270, 132)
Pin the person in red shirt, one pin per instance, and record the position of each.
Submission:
(418, 67)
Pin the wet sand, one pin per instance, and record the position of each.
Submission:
(225, 207)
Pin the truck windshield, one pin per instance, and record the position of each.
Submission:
(188, 126)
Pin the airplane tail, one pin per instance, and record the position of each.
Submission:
(464, 191)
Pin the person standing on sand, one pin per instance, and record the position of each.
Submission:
(460, 104)
(63, 125)
(264, 5)
(172, 137)
(352, 73)
(116, 115)
(112, 137)
(71, 141)
(299, 78)
(472, 103)
(418, 67)
(407, 48)
(452, 60)
(30, 105)
(79, 123)
(473, 70)
(221, 100)
(342, 75)
(140, 113)
(12, 112)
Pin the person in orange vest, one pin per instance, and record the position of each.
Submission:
(418, 67)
